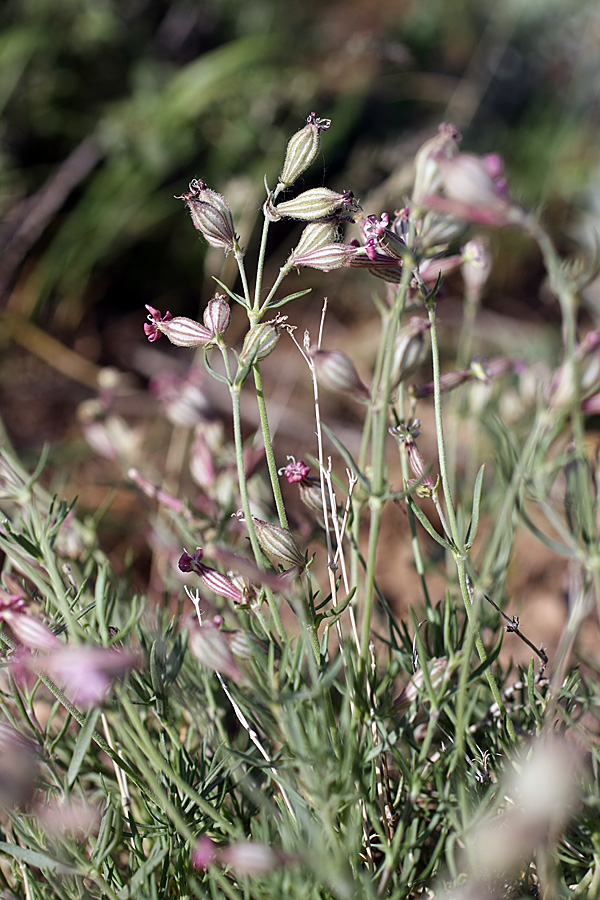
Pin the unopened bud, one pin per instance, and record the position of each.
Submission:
(331, 256)
(211, 648)
(336, 372)
(476, 190)
(476, 266)
(409, 350)
(217, 315)
(259, 342)
(427, 170)
(214, 580)
(317, 203)
(437, 673)
(277, 542)
(211, 215)
(302, 149)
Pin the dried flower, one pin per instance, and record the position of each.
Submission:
(302, 149)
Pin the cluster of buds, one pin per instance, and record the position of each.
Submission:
(184, 332)
(406, 434)
(384, 251)
(211, 215)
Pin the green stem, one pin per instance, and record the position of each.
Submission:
(459, 550)
(268, 445)
(379, 425)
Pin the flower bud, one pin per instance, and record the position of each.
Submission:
(211, 215)
(437, 672)
(427, 169)
(277, 542)
(336, 372)
(211, 648)
(181, 331)
(317, 203)
(409, 350)
(217, 315)
(259, 342)
(476, 266)
(302, 149)
(476, 191)
(331, 256)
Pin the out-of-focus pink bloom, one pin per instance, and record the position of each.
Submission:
(18, 764)
(212, 649)
(182, 400)
(85, 672)
(68, 817)
(475, 192)
(476, 266)
(245, 858)
(156, 493)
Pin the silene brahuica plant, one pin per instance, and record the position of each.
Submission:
(274, 728)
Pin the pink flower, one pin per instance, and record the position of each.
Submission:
(181, 331)
(155, 319)
(211, 578)
(86, 672)
(295, 471)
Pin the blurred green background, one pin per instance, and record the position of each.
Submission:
(109, 108)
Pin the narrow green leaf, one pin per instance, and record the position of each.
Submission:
(82, 744)
(420, 515)
(346, 456)
(472, 532)
(275, 303)
(35, 859)
(237, 298)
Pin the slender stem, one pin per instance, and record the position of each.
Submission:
(459, 550)
(268, 445)
(379, 431)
